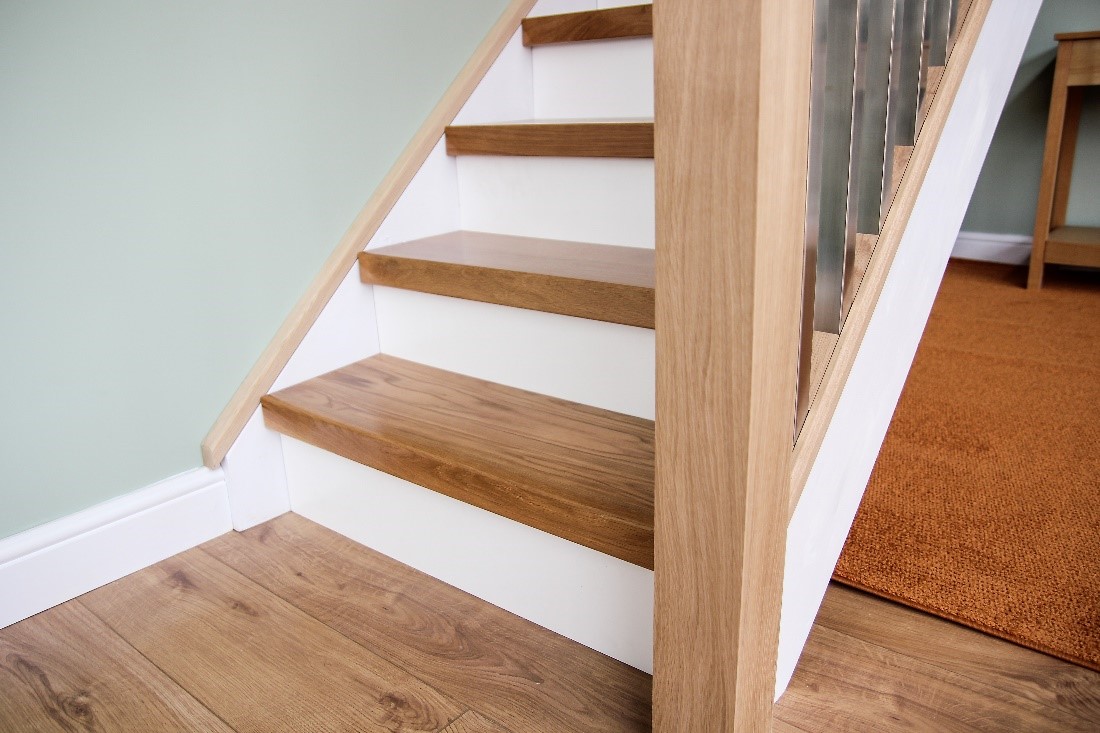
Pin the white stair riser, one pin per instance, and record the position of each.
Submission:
(593, 598)
(599, 200)
(602, 364)
(593, 79)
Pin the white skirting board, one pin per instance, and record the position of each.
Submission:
(595, 599)
(59, 561)
(1011, 249)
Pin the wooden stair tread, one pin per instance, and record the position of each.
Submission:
(595, 281)
(587, 139)
(576, 471)
(589, 25)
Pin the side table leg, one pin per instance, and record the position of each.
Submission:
(1047, 183)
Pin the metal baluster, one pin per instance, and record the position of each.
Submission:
(864, 13)
(954, 26)
(872, 149)
(834, 232)
(813, 204)
(905, 75)
(940, 31)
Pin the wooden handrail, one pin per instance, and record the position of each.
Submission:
(246, 399)
(732, 107)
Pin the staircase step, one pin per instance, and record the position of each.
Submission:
(594, 281)
(590, 25)
(575, 471)
(594, 139)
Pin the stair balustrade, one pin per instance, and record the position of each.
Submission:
(870, 75)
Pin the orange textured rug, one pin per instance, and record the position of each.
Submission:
(984, 505)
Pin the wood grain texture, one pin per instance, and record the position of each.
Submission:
(1067, 156)
(732, 101)
(1048, 180)
(902, 155)
(935, 76)
(1077, 65)
(1078, 246)
(259, 663)
(846, 684)
(589, 25)
(246, 399)
(473, 722)
(559, 139)
(822, 353)
(64, 670)
(575, 471)
(1084, 62)
(859, 316)
(865, 247)
(1013, 669)
(870, 665)
(593, 281)
(520, 674)
(1077, 36)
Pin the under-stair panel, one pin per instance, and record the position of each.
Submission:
(593, 79)
(601, 364)
(602, 201)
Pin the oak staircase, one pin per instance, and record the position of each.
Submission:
(573, 470)
(559, 459)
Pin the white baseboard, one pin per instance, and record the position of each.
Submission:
(59, 561)
(1011, 249)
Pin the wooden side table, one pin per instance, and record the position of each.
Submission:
(1077, 66)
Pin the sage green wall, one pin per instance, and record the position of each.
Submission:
(1004, 199)
(172, 175)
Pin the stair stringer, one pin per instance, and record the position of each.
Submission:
(843, 463)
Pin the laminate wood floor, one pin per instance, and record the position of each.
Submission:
(291, 627)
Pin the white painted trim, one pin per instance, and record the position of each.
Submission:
(1011, 249)
(254, 477)
(59, 561)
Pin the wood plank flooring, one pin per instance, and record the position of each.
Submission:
(291, 627)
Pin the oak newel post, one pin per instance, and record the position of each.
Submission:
(732, 100)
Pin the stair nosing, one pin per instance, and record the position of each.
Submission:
(489, 474)
(571, 27)
(613, 291)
